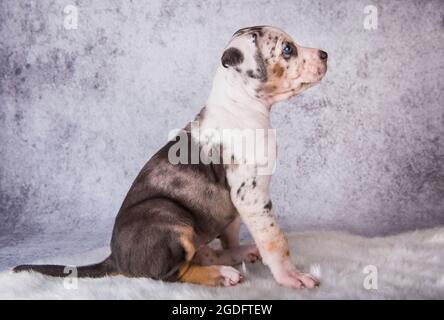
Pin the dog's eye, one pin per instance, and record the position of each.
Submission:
(287, 50)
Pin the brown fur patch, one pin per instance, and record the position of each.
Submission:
(277, 75)
(278, 245)
(186, 239)
(205, 275)
(278, 70)
(269, 87)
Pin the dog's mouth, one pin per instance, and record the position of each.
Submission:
(315, 78)
(305, 85)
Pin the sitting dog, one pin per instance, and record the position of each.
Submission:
(173, 210)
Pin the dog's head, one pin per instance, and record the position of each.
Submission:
(269, 61)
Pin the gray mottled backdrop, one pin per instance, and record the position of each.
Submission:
(82, 110)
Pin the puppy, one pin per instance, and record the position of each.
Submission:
(177, 205)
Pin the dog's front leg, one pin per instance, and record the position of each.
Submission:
(250, 195)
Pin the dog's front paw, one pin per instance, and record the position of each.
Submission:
(296, 279)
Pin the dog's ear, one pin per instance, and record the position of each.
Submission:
(232, 57)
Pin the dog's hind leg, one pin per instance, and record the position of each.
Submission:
(210, 275)
(206, 256)
(230, 235)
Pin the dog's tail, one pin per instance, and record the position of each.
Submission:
(98, 270)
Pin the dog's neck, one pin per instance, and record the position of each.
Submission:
(237, 101)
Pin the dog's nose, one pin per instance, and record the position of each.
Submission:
(323, 55)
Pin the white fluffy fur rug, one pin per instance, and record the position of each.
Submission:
(409, 265)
